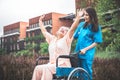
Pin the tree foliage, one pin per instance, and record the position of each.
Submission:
(43, 48)
(111, 35)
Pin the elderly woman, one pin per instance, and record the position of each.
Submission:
(58, 45)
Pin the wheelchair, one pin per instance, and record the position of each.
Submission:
(68, 73)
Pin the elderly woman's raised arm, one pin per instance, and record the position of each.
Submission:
(42, 27)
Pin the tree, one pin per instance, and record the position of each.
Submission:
(109, 18)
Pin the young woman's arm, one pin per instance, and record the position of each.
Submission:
(83, 51)
(75, 23)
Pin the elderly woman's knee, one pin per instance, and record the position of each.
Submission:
(39, 68)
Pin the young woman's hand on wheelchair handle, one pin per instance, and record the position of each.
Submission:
(83, 51)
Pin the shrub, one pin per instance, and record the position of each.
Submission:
(21, 68)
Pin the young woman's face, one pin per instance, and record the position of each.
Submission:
(87, 17)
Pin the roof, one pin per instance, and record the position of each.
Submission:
(69, 16)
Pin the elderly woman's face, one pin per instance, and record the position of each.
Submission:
(62, 31)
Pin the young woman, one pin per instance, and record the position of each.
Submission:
(58, 45)
(89, 35)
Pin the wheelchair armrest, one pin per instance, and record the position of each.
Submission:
(62, 56)
(41, 58)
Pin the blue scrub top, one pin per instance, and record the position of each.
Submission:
(85, 38)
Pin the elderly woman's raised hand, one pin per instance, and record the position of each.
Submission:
(41, 18)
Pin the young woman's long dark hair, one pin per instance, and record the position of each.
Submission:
(93, 18)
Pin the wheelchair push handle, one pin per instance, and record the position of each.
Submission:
(41, 58)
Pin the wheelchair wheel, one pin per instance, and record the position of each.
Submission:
(78, 74)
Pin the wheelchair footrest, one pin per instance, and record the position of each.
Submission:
(63, 71)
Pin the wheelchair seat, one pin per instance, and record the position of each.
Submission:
(61, 72)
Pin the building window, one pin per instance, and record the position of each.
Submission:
(29, 26)
(14, 47)
(18, 48)
(30, 34)
(50, 21)
(5, 40)
(36, 24)
(10, 47)
(0, 41)
(10, 39)
(45, 22)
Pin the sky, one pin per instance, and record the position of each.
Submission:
(12, 11)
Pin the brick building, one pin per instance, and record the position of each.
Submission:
(13, 33)
(16, 34)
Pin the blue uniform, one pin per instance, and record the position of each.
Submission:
(85, 38)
